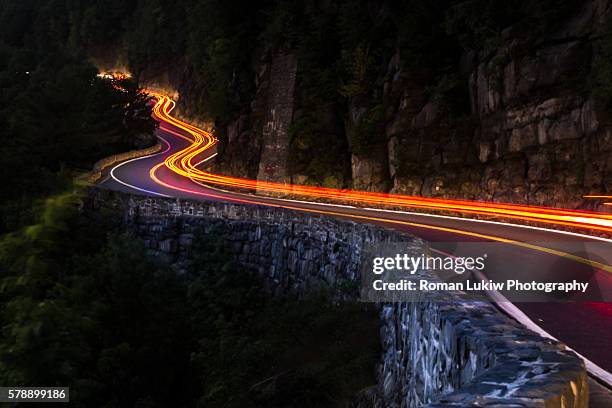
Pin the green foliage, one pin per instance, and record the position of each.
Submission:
(283, 25)
(220, 44)
(97, 314)
(324, 162)
(601, 82)
(359, 71)
(103, 321)
(153, 36)
(218, 71)
(318, 51)
(421, 38)
(369, 131)
(59, 115)
(478, 24)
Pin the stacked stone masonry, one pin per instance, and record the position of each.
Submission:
(450, 353)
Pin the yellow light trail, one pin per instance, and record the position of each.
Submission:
(246, 200)
(184, 163)
(606, 197)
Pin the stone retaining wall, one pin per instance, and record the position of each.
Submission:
(452, 353)
(469, 354)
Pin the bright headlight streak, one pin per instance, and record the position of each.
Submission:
(182, 163)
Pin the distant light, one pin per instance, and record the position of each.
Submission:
(114, 75)
(27, 72)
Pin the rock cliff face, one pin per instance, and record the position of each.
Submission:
(255, 143)
(279, 112)
(533, 135)
(369, 170)
(526, 129)
(530, 132)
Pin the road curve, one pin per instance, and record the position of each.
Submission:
(586, 327)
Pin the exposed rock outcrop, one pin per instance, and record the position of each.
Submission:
(279, 112)
(527, 128)
(535, 135)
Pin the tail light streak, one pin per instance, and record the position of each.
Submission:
(185, 163)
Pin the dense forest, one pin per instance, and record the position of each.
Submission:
(82, 303)
(368, 73)
(213, 49)
(58, 117)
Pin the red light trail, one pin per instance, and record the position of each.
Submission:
(184, 163)
(172, 173)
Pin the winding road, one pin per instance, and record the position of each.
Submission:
(584, 324)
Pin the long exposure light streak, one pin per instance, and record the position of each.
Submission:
(185, 163)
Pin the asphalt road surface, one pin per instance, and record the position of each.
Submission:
(524, 252)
